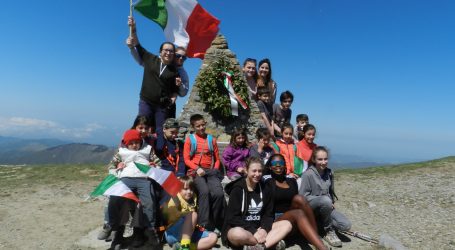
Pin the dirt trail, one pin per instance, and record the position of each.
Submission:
(416, 207)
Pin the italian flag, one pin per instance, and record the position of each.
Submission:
(185, 23)
(112, 186)
(166, 179)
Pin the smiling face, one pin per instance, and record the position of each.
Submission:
(309, 136)
(278, 165)
(167, 53)
(264, 69)
(180, 57)
(254, 172)
(240, 140)
(321, 160)
(171, 133)
(249, 69)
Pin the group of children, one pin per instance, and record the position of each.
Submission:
(260, 212)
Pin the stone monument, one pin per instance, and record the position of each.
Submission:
(221, 129)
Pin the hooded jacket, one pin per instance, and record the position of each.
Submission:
(240, 201)
(314, 185)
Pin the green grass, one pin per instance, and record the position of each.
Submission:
(50, 174)
(392, 169)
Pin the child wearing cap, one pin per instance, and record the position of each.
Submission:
(135, 150)
(170, 150)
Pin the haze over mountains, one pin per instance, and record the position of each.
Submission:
(17, 151)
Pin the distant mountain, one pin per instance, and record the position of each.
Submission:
(50, 151)
(354, 161)
(11, 144)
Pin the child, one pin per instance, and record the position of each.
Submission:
(300, 120)
(306, 144)
(318, 189)
(282, 112)
(235, 154)
(181, 216)
(249, 216)
(170, 150)
(263, 95)
(262, 149)
(286, 147)
(143, 125)
(134, 150)
(201, 156)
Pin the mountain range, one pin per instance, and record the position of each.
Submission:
(16, 151)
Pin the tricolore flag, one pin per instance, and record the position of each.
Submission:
(166, 179)
(112, 186)
(185, 23)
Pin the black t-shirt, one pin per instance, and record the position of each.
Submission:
(255, 204)
(283, 196)
(280, 116)
(265, 108)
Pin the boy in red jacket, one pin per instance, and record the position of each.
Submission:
(200, 153)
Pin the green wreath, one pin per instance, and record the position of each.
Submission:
(212, 91)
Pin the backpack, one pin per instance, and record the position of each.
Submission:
(194, 144)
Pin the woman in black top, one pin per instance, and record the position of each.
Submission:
(289, 205)
(249, 215)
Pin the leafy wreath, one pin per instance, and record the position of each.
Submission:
(212, 91)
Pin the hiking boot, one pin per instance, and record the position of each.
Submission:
(117, 239)
(332, 238)
(153, 239)
(281, 245)
(105, 233)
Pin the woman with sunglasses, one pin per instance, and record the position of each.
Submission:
(249, 215)
(288, 204)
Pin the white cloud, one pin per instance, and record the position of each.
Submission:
(21, 126)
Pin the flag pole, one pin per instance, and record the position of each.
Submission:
(131, 14)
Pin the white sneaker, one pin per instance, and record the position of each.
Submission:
(332, 238)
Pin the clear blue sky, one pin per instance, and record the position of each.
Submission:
(376, 77)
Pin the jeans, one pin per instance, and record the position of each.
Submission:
(328, 217)
(146, 194)
(156, 112)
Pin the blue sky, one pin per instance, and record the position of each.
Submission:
(376, 77)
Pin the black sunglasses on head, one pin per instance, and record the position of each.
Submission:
(178, 56)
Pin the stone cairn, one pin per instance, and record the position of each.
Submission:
(250, 119)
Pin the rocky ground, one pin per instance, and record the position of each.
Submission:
(415, 206)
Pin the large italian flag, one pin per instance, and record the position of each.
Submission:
(185, 23)
(112, 186)
(166, 179)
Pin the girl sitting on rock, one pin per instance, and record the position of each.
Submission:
(236, 153)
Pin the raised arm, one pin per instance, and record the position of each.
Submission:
(132, 42)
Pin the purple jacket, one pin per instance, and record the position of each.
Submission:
(234, 157)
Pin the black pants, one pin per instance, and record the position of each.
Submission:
(211, 200)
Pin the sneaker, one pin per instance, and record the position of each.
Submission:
(332, 238)
(105, 233)
(281, 245)
(117, 239)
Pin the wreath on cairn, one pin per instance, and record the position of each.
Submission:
(213, 92)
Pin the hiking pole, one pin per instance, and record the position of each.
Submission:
(362, 236)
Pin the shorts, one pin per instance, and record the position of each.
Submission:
(174, 233)
(278, 215)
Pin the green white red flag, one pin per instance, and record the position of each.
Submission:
(112, 186)
(233, 97)
(166, 179)
(185, 23)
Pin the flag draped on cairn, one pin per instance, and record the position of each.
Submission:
(185, 23)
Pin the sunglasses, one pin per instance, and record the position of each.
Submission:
(178, 56)
(277, 163)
